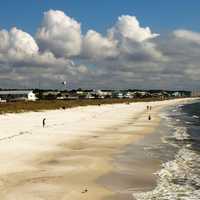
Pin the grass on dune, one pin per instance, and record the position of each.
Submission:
(24, 106)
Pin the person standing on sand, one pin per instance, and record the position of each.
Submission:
(149, 117)
(44, 122)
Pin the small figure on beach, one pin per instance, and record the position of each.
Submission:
(149, 117)
(150, 107)
(147, 107)
(44, 122)
(85, 190)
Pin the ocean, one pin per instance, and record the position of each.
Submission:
(179, 176)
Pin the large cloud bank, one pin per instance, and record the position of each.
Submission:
(127, 56)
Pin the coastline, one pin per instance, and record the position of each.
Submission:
(74, 151)
(178, 176)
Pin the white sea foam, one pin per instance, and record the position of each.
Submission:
(178, 179)
(181, 133)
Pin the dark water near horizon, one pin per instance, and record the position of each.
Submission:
(179, 178)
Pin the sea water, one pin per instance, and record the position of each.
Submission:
(179, 177)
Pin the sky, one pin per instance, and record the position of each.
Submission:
(100, 44)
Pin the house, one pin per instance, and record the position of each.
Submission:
(177, 94)
(89, 96)
(49, 95)
(140, 94)
(128, 95)
(118, 95)
(2, 100)
(17, 95)
(101, 94)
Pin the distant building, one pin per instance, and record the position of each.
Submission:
(2, 100)
(141, 94)
(128, 95)
(50, 95)
(102, 94)
(117, 94)
(17, 95)
(89, 96)
(177, 94)
(53, 93)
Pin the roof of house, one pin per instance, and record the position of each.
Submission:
(13, 92)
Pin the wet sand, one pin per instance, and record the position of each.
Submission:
(133, 170)
(84, 167)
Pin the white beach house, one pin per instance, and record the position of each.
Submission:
(16, 95)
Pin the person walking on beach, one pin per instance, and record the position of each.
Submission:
(44, 122)
(149, 117)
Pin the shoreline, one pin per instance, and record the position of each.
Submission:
(129, 174)
(71, 155)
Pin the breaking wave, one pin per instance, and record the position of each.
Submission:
(178, 179)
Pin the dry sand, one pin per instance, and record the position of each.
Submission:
(72, 157)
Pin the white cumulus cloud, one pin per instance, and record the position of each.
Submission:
(129, 27)
(17, 42)
(60, 34)
(125, 39)
(96, 46)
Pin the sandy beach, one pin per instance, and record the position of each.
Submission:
(73, 156)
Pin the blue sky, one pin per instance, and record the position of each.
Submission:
(101, 14)
(100, 44)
